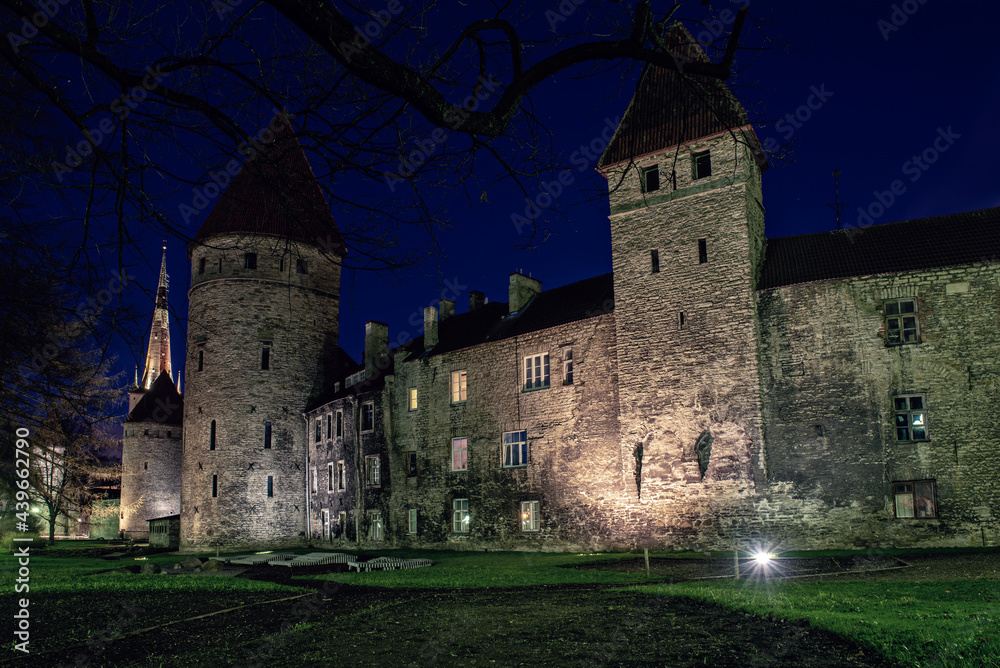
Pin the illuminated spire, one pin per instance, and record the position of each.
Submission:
(158, 354)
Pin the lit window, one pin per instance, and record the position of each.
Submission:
(270, 485)
(412, 399)
(530, 517)
(267, 435)
(249, 260)
(411, 464)
(911, 418)
(460, 515)
(367, 416)
(373, 471)
(459, 454)
(650, 179)
(515, 448)
(265, 356)
(211, 435)
(901, 322)
(341, 477)
(536, 371)
(459, 388)
(915, 500)
(701, 164)
(329, 483)
(567, 366)
(374, 525)
(411, 526)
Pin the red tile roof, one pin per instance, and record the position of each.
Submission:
(275, 193)
(669, 108)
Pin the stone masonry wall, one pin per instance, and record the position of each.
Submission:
(234, 312)
(151, 478)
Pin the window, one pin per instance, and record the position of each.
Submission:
(201, 266)
(567, 366)
(341, 477)
(915, 499)
(536, 371)
(459, 454)
(215, 486)
(313, 480)
(702, 164)
(329, 482)
(373, 471)
(650, 179)
(368, 416)
(301, 266)
(702, 251)
(911, 418)
(459, 387)
(265, 356)
(318, 436)
(249, 260)
(267, 435)
(530, 517)
(329, 425)
(411, 525)
(201, 360)
(515, 448)
(340, 423)
(654, 261)
(460, 515)
(211, 435)
(680, 320)
(411, 464)
(901, 322)
(325, 519)
(341, 522)
(412, 399)
(220, 265)
(270, 486)
(374, 525)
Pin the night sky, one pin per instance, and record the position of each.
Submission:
(869, 87)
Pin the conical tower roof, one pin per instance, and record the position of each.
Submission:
(275, 194)
(158, 352)
(161, 403)
(671, 108)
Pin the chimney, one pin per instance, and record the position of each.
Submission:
(447, 307)
(522, 289)
(476, 300)
(376, 347)
(430, 327)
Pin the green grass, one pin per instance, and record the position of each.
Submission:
(913, 623)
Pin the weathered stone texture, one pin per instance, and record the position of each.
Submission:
(151, 475)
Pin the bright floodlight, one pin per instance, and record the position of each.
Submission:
(762, 557)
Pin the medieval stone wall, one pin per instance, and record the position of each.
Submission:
(151, 475)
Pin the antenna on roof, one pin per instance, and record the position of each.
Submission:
(837, 205)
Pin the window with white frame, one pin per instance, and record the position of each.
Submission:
(915, 499)
(910, 417)
(459, 454)
(330, 479)
(568, 365)
(411, 401)
(368, 416)
(319, 430)
(530, 517)
(341, 477)
(901, 322)
(536, 371)
(315, 481)
(459, 386)
(515, 448)
(460, 515)
(374, 525)
(411, 525)
(373, 471)
(326, 523)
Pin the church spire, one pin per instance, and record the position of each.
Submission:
(158, 354)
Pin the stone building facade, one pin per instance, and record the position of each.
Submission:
(718, 388)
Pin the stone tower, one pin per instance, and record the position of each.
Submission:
(262, 326)
(151, 447)
(687, 227)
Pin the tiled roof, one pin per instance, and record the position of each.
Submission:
(161, 403)
(550, 308)
(668, 108)
(275, 193)
(924, 243)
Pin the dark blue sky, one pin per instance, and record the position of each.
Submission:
(887, 82)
